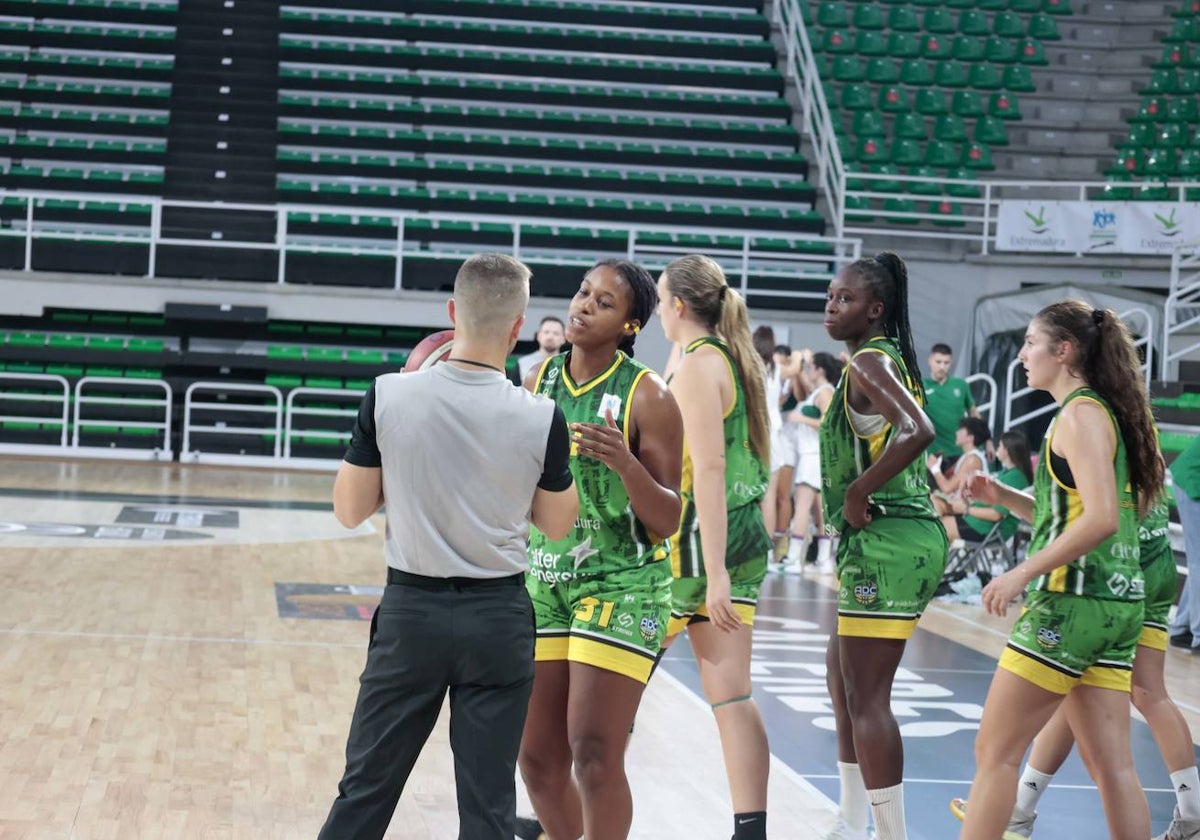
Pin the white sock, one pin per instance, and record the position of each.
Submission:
(796, 549)
(823, 548)
(887, 807)
(852, 804)
(1030, 789)
(1187, 792)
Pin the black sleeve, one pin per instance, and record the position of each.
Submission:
(364, 448)
(556, 471)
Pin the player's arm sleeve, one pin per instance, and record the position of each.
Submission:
(556, 470)
(364, 448)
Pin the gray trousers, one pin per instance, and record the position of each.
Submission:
(472, 638)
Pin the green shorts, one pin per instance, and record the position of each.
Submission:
(1162, 583)
(887, 574)
(1061, 641)
(616, 621)
(688, 595)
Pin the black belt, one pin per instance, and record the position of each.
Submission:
(395, 576)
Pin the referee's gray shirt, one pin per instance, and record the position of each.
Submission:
(461, 452)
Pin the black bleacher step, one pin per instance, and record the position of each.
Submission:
(10, 148)
(581, 96)
(35, 65)
(1189, 372)
(536, 66)
(111, 13)
(73, 98)
(111, 42)
(232, 225)
(632, 16)
(28, 122)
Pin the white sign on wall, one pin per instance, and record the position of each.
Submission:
(1092, 227)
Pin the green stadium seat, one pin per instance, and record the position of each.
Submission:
(1183, 109)
(941, 154)
(1173, 135)
(870, 43)
(906, 152)
(1153, 191)
(991, 131)
(100, 342)
(871, 150)
(1129, 161)
(284, 352)
(949, 211)
(832, 15)
(923, 187)
(856, 96)
(67, 341)
(1008, 25)
(916, 73)
(1118, 190)
(1141, 135)
(939, 21)
(903, 19)
(882, 71)
(1160, 161)
(966, 103)
(857, 209)
(909, 126)
(1152, 109)
(1174, 55)
(962, 190)
(899, 205)
(1056, 7)
(936, 47)
(283, 381)
(1025, 6)
(1004, 106)
(1043, 28)
(931, 102)
(1190, 8)
(847, 68)
(893, 99)
(868, 16)
(950, 127)
(967, 48)
(999, 50)
(890, 184)
(1031, 51)
(835, 41)
(951, 74)
(977, 156)
(904, 45)
(1187, 81)
(973, 22)
(1189, 164)
(1017, 77)
(868, 124)
(145, 345)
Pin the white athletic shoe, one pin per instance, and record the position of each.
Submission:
(1019, 828)
(1181, 829)
(841, 831)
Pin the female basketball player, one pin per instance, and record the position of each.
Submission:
(892, 547)
(719, 556)
(818, 376)
(1171, 732)
(1083, 612)
(601, 595)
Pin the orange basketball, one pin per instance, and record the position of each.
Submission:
(430, 350)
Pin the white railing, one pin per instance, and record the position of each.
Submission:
(1182, 309)
(294, 411)
(743, 264)
(98, 391)
(38, 389)
(272, 408)
(987, 406)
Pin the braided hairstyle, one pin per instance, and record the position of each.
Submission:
(887, 277)
(644, 293)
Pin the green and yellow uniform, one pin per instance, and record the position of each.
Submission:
(888, 570)
(1158, 567)
(747, 542)
(602, 594)
(1082, 620)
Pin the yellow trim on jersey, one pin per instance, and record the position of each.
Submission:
(610, 658)
(578, 390)
(1038, 673)
(883, 627)
(628, 402)
(679, 621)
(1107, 676)
(537, 382)
(733, 377)
(1154, 638)
(551, 648)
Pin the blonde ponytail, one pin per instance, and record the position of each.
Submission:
(734, 327)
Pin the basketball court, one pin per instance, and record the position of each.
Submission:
(180, 648)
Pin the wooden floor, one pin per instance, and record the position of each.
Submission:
(152, 690)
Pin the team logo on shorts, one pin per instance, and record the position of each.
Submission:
(866, 593)
(649, 628)
(1048, 637)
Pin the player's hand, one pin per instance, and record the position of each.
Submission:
(720, 605)
(1001, 591)
(602, 441)
(981, 487)
(959, 505)
(856, 507)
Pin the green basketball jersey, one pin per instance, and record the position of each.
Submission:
(1154, 533)
(746, 478)
(845, 454)
(1111, 570)
(607, 537)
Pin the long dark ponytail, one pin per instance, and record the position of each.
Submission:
(887, 277)
(1109, 364)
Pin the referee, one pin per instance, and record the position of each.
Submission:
(464, 461)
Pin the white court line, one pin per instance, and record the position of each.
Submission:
(153, 637)
(967, 783)
(776, 762)
(995, 632)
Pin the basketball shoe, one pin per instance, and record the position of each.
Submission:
(841, 831)
(528, 828)
(1181, 829)
(1019, 828)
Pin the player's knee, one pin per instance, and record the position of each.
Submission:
(540, 769)
(597, 758)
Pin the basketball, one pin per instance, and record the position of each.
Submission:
(430, 350)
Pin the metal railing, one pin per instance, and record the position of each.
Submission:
(98, 391)
(1182, 309)
(987, 407)
(272, 408)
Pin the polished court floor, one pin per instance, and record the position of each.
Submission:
(180, 647)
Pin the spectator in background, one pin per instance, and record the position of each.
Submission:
(972, 437)
(764, 345)
(947, 400)
(1185, 474)
(784, 444)
(550, 337)
(972, 521)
